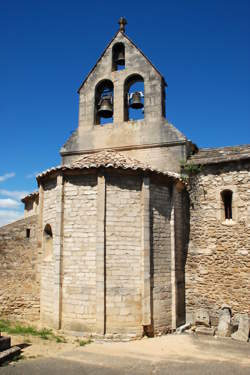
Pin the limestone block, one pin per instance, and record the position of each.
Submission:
(225, 327)
(205, 330)
(243, 330)
(202, 317)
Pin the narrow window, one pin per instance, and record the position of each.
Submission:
(104, 102)
(48, 241)
(118, 57)
(134, 98)
(227, 197)
(28, 233)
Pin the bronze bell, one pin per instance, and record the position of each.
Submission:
(136, 102)
(120, 60)
(106, 107)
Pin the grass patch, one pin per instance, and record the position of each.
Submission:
(84, 342)
(60, 339)
(18, 329)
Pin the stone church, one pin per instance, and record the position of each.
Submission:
(138, 227)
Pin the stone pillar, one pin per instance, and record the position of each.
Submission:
(118, 106)
(100, 256)
(40, 233)
(173, 263)
(57, 253)
(40, 217)
(145, 255)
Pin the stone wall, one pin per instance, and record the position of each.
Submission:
(31, 206)
(100, 281)
(79, 254)
(47, 263)
(19, 280)
(218, 262)
(165, 158)
(123, 254)
(160, 216)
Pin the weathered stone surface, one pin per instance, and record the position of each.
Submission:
(201, 330)
(243, 329)
(225, 327)
(117, 297)
(202, 317)
(217, 270)
(19, 274)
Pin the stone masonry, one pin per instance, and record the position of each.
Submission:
(114, 269)
(19, 276)
(218, 262)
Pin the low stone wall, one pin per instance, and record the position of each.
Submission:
(19, 280)
(218, 261)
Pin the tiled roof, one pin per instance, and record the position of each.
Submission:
(32, 195)
(108, 159)
(220, 155)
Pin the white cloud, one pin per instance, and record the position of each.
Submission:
(7, 176)
(9, 203)
(7, 216)
(32, 175)
(14, 194)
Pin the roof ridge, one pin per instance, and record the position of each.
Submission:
(108, 159)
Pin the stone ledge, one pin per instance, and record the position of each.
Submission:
(8, 354)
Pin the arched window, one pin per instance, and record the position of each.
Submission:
(118, 57)
(134, 98)
(48, 241)
(227, 198)
(104, 102)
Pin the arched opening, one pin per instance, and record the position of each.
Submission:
(48, 241)
(118, 57)
(134, 98)
(104, 95)
(227, 199)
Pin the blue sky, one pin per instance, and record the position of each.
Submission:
(202, 48)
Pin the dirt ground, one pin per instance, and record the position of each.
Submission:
(159, 348)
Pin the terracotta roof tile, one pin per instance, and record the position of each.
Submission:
(108, 159)
(32, 195)
(220, 155)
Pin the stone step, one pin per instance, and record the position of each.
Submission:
(210, 331)
(4, 343)
(8, 354)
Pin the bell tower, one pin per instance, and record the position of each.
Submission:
(122, 107)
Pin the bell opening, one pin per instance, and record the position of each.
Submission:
(134, 98)
(104, 103)
(118, 57)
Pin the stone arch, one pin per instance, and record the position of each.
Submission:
(104, 97)
(134, 91)
(118, 56)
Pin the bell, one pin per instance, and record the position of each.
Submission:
(106, 108)
(136, 102)
(120, 60)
